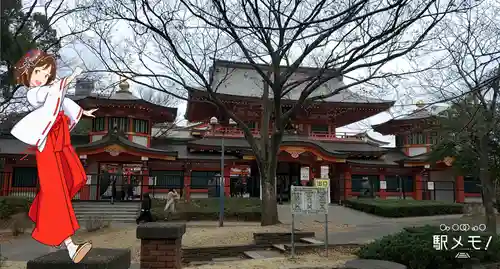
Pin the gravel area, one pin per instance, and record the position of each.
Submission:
(334, 259)
(197, 235)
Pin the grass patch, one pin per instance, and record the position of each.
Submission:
(245, 209)
(404, 208)
(10, 205)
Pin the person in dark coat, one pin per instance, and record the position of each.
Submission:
(113, 189)
(145, 209)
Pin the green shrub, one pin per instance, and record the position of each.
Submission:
(403, 208)
(414, 248)
(13, 205)
(243, 209)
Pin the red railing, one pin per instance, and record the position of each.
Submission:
(236, 132)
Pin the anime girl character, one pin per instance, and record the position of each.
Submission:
(60, 171)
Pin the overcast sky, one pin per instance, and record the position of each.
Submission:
(74, 55)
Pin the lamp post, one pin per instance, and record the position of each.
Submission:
(213, 123)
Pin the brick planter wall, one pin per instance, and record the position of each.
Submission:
(279, 238)
(161, 245)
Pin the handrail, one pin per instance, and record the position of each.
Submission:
(236, 132)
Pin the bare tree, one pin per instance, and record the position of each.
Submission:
(28, 25)
(469, 80)
(173, 44)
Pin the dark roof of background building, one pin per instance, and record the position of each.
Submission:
(344, 96)
(390, 158)
(334, 148)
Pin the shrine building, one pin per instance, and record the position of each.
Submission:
(138, 140)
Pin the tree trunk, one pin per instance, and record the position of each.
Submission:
(268, 180)
(487, 186)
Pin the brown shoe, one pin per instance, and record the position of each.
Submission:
(81, 251)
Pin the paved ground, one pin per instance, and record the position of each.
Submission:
(337, 215)
(365, 227)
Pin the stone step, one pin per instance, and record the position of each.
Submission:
(280, 247)
(311, 240)
(227, 259)
(263, 254)
(102, 212)
(303, 246)
(106, 207)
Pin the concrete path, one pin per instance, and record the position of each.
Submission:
(337, 215)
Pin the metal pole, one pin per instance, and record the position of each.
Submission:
(293, 235)
(326, 235)
(221, 185)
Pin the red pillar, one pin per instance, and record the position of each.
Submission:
(347, 183)
(145, 179)
(418, 188)
(382, 193)
(227, 179)
(459, 188)
(8, 179)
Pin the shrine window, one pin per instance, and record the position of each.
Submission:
(203, 179)
(24, 177)
(141, 126)
(319, 128)
(168, 179)
(98, 124)
(121, 123)
(434, 138)
(416, 139)
(399, 183)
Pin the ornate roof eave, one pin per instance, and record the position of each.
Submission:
(387, 128)
(246, 149)
(115, 138)
(107, 101)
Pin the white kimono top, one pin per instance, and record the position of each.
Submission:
(47, 101)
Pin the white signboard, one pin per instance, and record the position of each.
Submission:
(383, 185)
(430, 185)
(324, 171)
(304, 173)
(89, 180)
(309, 200)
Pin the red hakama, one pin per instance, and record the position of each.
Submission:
(61, 176)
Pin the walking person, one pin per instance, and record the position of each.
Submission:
(145, 214)
(172, 198)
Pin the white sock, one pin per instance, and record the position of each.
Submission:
(70, 246)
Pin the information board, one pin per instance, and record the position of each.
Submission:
(309, 200)
(323, 183)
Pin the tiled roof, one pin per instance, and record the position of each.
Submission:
(344, 96)
(330, 147)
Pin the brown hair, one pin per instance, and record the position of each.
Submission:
(34, 58)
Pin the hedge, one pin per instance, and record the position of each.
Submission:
(403, 208)
(414, 248)
(12, 205)
(241, 209)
